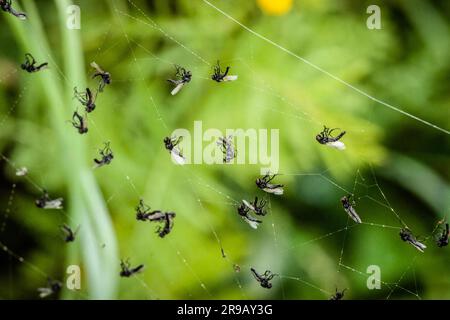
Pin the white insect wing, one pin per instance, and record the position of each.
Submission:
(54, 204)
(177, 157)
(418, 245)
(44, 292)
(248, 205)
(337, 145)
(277, 191)
(230, 78)
(22, 172)
(251, 223)
(352, 213)
(177, 89)
(96, 66)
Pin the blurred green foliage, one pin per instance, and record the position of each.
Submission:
(406, 63)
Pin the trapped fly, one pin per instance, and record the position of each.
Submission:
(325, 137)
(265, 185)
(264, 279)
(182, 77)
(106, 156)
(338, 295)
(171, 144)
(105, 77)
(218, 76)
(80, 123)
(69, 234)
(243, 211)
(6, 6)
(30, 64)
(227, 147)
(407, 236)
(44, 202)
(126, 270)
(257, 207)
(53, 287)
(442, 240)
(86, 98)
(349, 207)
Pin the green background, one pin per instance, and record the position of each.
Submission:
(303, 238)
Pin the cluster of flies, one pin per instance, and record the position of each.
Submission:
(247, 210)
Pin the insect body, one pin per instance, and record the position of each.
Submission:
(106, 156)
(69, 234)
(182, 77)
(86, 98)
(265, 185)
(167, 218)
(407, 236)
(264, 279)
(349, 207)
(243, 211)
(53, 287)
(171, 145)
(6, 6)
(442, 241)
(105, 77)
(30, 64)
(143, 211)
(126, 270)
(327, 139)
(79, 123)
(218, 76)
(338, 295)
(44, 202)
(227, 147)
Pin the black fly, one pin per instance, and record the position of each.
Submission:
(44, 202)
(79, 123)
(265, 185)
(171, 145)
(106, 156)
(53, 287)
(407, 236)
(264, 279)
(218, 76)
(227, 147)
(105, 77)
(143, 211)
(338, 295)
(6, 6)
(126, 270)
(442, 241)
(182, 76)
(349, 207)
(167, 218)
(69, 234)
(243, 211)
(326, 138)
(30, 64)
(86, 98)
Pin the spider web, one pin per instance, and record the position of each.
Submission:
(195, 182)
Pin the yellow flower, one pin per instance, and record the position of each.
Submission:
(275, 7)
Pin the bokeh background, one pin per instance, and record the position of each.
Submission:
(303, 238)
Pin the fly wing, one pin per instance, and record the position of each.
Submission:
(418, 245)
(96, 67)
(230, 78)
(44, 292)
(177, 89)
(20, 15)
(54, 204)
(177, 157)
(253, 224)
(352, 213)
(276, 190)
(248, 205)
(336, 144)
